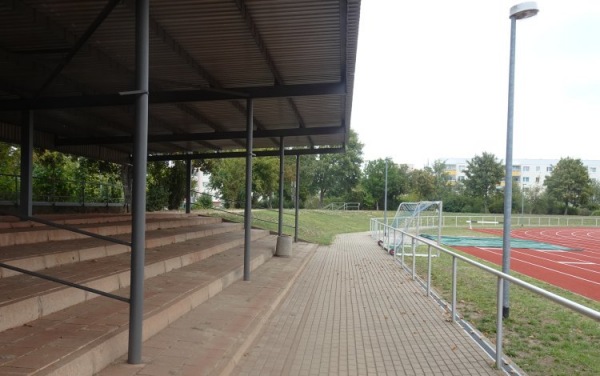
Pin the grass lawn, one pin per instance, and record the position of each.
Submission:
(541, 337)
(315, 226)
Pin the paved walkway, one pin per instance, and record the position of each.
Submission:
(352, 312)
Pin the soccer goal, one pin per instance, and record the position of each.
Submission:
(412, 218)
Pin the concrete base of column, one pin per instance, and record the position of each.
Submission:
(284, 246)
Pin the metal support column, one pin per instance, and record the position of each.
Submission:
(508, 172)
(188, 186)
(385, 194)
(297, 208)
(281, 199)
(140, 155)
(248, 209)
(25, 203)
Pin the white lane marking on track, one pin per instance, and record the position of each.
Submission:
(515, 257)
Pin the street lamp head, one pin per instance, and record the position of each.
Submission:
(524, 10)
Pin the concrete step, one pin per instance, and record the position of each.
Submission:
(7, 221)
(39, 256)
(85, 338)
(41, 234)
(25, 298)
(212, 338)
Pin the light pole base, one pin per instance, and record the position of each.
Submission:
(505, 312)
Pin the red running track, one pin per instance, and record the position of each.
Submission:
(576, 271)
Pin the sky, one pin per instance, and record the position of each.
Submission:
(431, 80)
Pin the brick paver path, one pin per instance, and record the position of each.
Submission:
(354, 312)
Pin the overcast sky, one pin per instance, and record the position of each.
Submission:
(432, 80)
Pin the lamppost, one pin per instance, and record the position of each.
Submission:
(385, 197)
(517, 12)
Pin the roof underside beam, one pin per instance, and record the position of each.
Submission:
(78, 44)
(213, 136)
(242, 154)
(175, 96)
(258, 39)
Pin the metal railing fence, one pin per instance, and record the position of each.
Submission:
(63, 192)
(379, 231)
(342, 206)
(516, 220)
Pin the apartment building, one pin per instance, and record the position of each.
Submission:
(526, 172)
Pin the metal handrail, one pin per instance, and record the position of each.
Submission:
(253, 218)
(342, 206)
(383, 232)
(82, 196)
(517, 220)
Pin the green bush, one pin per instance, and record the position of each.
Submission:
(205, 202)
(157, 198)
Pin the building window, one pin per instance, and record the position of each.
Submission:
(462, 167)
(537, 180)
(537, 168)
(593, 169)
(525, 168)
(461, 178)
(525, 179)
(549, 169)
(516, 168)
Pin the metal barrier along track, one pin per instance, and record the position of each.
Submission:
(383, 233)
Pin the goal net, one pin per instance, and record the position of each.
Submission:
(413, 217)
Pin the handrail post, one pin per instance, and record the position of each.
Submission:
(428, 270)
(402, 254)
(454, 270)
(395, 248)
(414, 259)
(499, 318)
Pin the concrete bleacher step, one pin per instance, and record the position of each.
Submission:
(24, 298)
(39, 256)
(39, 234)
(213, 337)
(8, 221)
(86, 337)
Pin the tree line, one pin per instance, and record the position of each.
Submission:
(326, 178)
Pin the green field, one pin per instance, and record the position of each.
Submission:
(541, 337)
(315, 226)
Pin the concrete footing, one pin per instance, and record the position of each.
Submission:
(284, 246)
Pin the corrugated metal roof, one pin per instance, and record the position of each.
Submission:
(205, 45)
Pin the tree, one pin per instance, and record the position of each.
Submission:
(265, 178)
(569, 183)
(422, 184)
(100, 180)
(9, 169)
(594, 202)
(373, 182)
(228, 177)
(176, 184)
(157, 194)
(484, 174)
(441, 181)
(308, 165)
(338, 174)
(54, 174)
